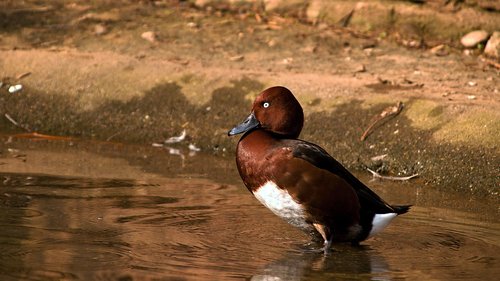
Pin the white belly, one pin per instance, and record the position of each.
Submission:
(282, 204)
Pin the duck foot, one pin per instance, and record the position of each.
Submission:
(313, 248)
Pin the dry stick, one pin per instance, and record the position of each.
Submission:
(377, 175)
(345, 20)
(22, 75)
(32, 134)
(16, 123)
(36, 135)
(492, 63)
(113, 135)
(391, 111)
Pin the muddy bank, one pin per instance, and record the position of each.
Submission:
(203, 68)
(164, 111)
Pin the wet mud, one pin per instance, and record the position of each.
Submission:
(164, 111)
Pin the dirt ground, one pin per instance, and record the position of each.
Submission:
(142, 71)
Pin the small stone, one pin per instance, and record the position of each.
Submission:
(379, 157)
(360, 68)
(471, 97)
(323, 26)
(309, 49)
(100, 29)
(193, 147)
(440, 50)
(472, 83)
(201, 3)
(192, 25)
(237, 58)
(150, 36)
(15, 88)
(473, 38)
(313, 11)
(468, 52)
(492, 48)
(368, 51)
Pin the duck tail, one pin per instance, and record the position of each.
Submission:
(401, 209)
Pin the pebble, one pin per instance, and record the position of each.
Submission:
(192, 25)
(193, 147)
(468, 52)
(15, 88)
(237, 58)
(309, 49)
(360, 68)
(472, 83)
(100, 29)
(313, 11)
(440, 50)
(471, 97)
(379, 157)
(150, 36)
(201, 3)
(492, 48)
(473, 38)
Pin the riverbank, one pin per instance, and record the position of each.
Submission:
(141, 73)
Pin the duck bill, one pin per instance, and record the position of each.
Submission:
(250, 123)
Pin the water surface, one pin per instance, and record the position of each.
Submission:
(101, 211)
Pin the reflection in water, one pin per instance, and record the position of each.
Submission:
(88, 217)
(344, 262)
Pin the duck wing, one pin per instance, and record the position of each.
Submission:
(370, 202)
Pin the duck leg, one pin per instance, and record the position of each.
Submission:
(327, 236)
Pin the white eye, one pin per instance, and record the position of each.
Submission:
(266, 105)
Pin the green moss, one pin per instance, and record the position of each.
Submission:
(476, 128)
(425, 115)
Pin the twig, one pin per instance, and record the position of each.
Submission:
(345, 20)
(16, 123)
(113, 135)
(377, 175)
(390, 111)
(36, 135)
(22, 75)
(492, 63)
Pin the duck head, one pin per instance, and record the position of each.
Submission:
(275, 110)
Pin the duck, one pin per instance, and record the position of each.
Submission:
(299, 181)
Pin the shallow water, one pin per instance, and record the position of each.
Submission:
(101, 211)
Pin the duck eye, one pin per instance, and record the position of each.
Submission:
(265, 105)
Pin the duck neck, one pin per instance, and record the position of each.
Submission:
(257, 140)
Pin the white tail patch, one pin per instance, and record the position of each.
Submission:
(380, 221)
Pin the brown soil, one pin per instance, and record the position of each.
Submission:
(93, 76)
